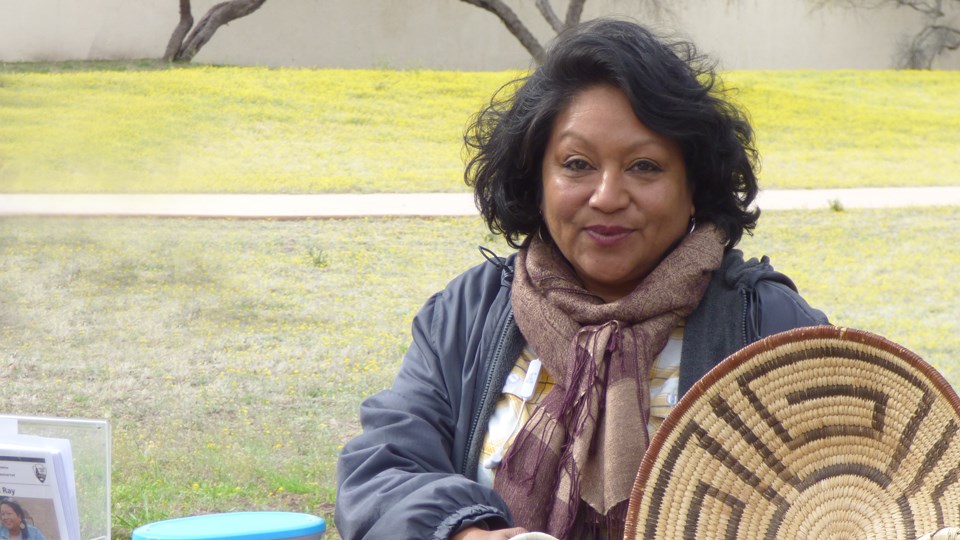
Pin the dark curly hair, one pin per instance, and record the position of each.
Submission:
(674, 91)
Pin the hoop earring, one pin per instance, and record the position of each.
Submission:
(693, 225)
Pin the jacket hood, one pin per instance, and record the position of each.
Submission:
(738, 273)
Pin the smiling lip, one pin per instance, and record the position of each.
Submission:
(605, 235)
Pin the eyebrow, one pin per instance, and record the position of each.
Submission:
(637, 144)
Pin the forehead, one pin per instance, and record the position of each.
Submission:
(596, 99)
(603, 113)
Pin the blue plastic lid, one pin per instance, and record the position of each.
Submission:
(234, 526)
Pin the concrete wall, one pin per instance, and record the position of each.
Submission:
(449, 34)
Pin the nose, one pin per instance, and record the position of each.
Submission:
(610, 193)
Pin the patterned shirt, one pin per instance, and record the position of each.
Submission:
(512, 411)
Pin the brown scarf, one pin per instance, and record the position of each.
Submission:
(585, 440)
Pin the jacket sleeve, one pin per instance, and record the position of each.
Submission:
(397, 478)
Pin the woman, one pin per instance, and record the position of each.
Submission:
(14, 522)
(533, 383)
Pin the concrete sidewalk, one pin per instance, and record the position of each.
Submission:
(404, 204)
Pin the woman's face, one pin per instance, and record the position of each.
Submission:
(9, 518)
(615, 194)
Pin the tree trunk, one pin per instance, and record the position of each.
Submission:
(180, 32)
(514, 25)
(218, 16)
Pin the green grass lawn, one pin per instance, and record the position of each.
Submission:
(147, 127)
(231, 356)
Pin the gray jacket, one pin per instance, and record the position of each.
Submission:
(411, 473)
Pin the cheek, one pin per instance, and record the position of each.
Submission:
(563, 199)
(676, 203)
(559, 212)
(550, 202)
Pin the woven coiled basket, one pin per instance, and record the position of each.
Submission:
(822, 432)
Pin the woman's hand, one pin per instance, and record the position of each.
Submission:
(476, 533)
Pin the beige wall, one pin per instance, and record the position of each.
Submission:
(447, 34)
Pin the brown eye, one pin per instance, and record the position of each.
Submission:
(576, 165)
(645, 165)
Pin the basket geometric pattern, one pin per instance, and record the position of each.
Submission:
(818, 432)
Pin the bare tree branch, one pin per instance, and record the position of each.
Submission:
(513, 24)
(572, 18)
(951, 37)
(931, 42)
(547, 11)
(920, 51)
(180, 32)
(218, 16)
(931, 8)
(574, 12)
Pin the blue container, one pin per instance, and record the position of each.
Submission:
(236, 526)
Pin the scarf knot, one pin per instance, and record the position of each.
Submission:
(616, 337)
(573, 463)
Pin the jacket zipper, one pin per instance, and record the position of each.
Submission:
(498, 352)
(746, 317)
